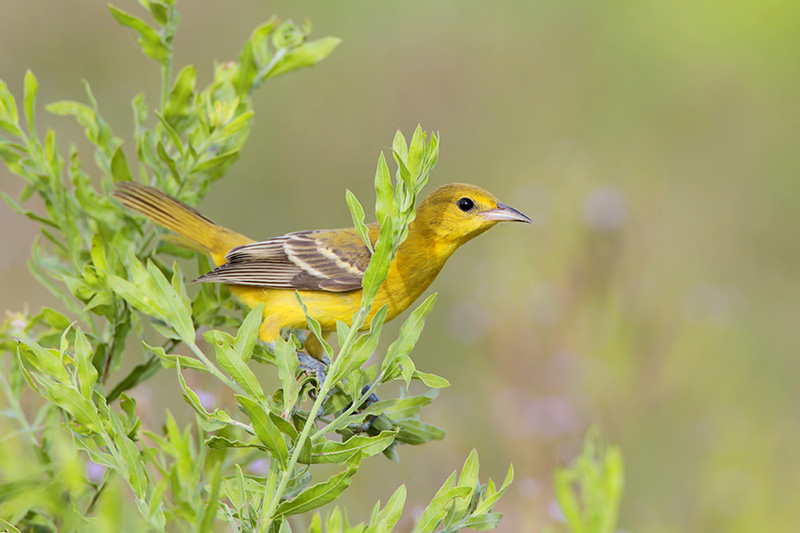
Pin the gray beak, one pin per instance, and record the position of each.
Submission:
(504, 213)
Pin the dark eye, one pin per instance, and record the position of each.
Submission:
(465, 204)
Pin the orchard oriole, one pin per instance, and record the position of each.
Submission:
(326, 266)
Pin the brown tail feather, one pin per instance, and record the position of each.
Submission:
(176, 216)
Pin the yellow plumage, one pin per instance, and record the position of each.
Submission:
(326, 266)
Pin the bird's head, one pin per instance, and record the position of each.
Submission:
(458, 212)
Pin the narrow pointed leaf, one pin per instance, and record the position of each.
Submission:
(321, 493)
(330, 451)
(266, 430)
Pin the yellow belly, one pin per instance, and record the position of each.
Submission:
(282, 309)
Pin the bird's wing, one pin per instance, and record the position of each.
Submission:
(330, 260)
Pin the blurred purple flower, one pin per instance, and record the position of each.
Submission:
(95, 472)
(207, 399)
(555, 512)
(259, 467)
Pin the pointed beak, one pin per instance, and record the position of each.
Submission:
(504, 213)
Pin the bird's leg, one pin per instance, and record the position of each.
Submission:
(314, 361)
(315, 367)
(367, 423)
(318, 369)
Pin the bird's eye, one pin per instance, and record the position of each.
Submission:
(465, 204)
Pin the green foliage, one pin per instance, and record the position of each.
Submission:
(106, 267)
(590, 489)
(461, 503)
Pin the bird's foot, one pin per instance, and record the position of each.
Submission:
(367, 423)
(316, 368)
(319, 369)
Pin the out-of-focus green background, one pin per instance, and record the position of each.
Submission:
(655, 144)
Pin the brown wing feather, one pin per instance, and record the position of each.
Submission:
(332, 260)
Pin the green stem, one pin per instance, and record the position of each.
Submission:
(263, 73)
(165, 75)
(17, 408)
(214, 370)
(325, 388)
(336, 423)
(269, 485)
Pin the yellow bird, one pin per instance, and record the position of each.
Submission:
(326, 266)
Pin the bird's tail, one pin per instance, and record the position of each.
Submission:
(199, 232)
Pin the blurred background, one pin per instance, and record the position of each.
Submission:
(655, 145)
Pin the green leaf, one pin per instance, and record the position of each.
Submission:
(487, 503)
(400, 408)
(468, 479)
(384, 199)
(149, 39)
(84, 114)
(158, 10)
(482, 522)
(247, 336)
(134, 469)
(98, 254)
(8, 107)
(469, 472)
(378, 263)
(169, 360)
(7, 526)
(87, 373)
(416, 154)
(167, 159)
(66, 397)
(409, 335)
(189, 395)
(12, 128)
(180, 102)
(330, 451)
(431, 380)
(46, 361)
(390, 515)
(174, 137)
(363, 347)
(589, 491)
(436, 510)
(238, 124)
(211, 502)
(221, 443)
(313, 325)
(357, 213)
(399, 146)
(248, 70)
(234, 365)
(266, 430)
(29, 214)
(306, 55)
(119, 166)
(321, 493)
(216, 162)
(55, 319)
(286, 427)
(415, 432)
(31, 88)
(287, 363)
(177, 310)
(10, 154)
